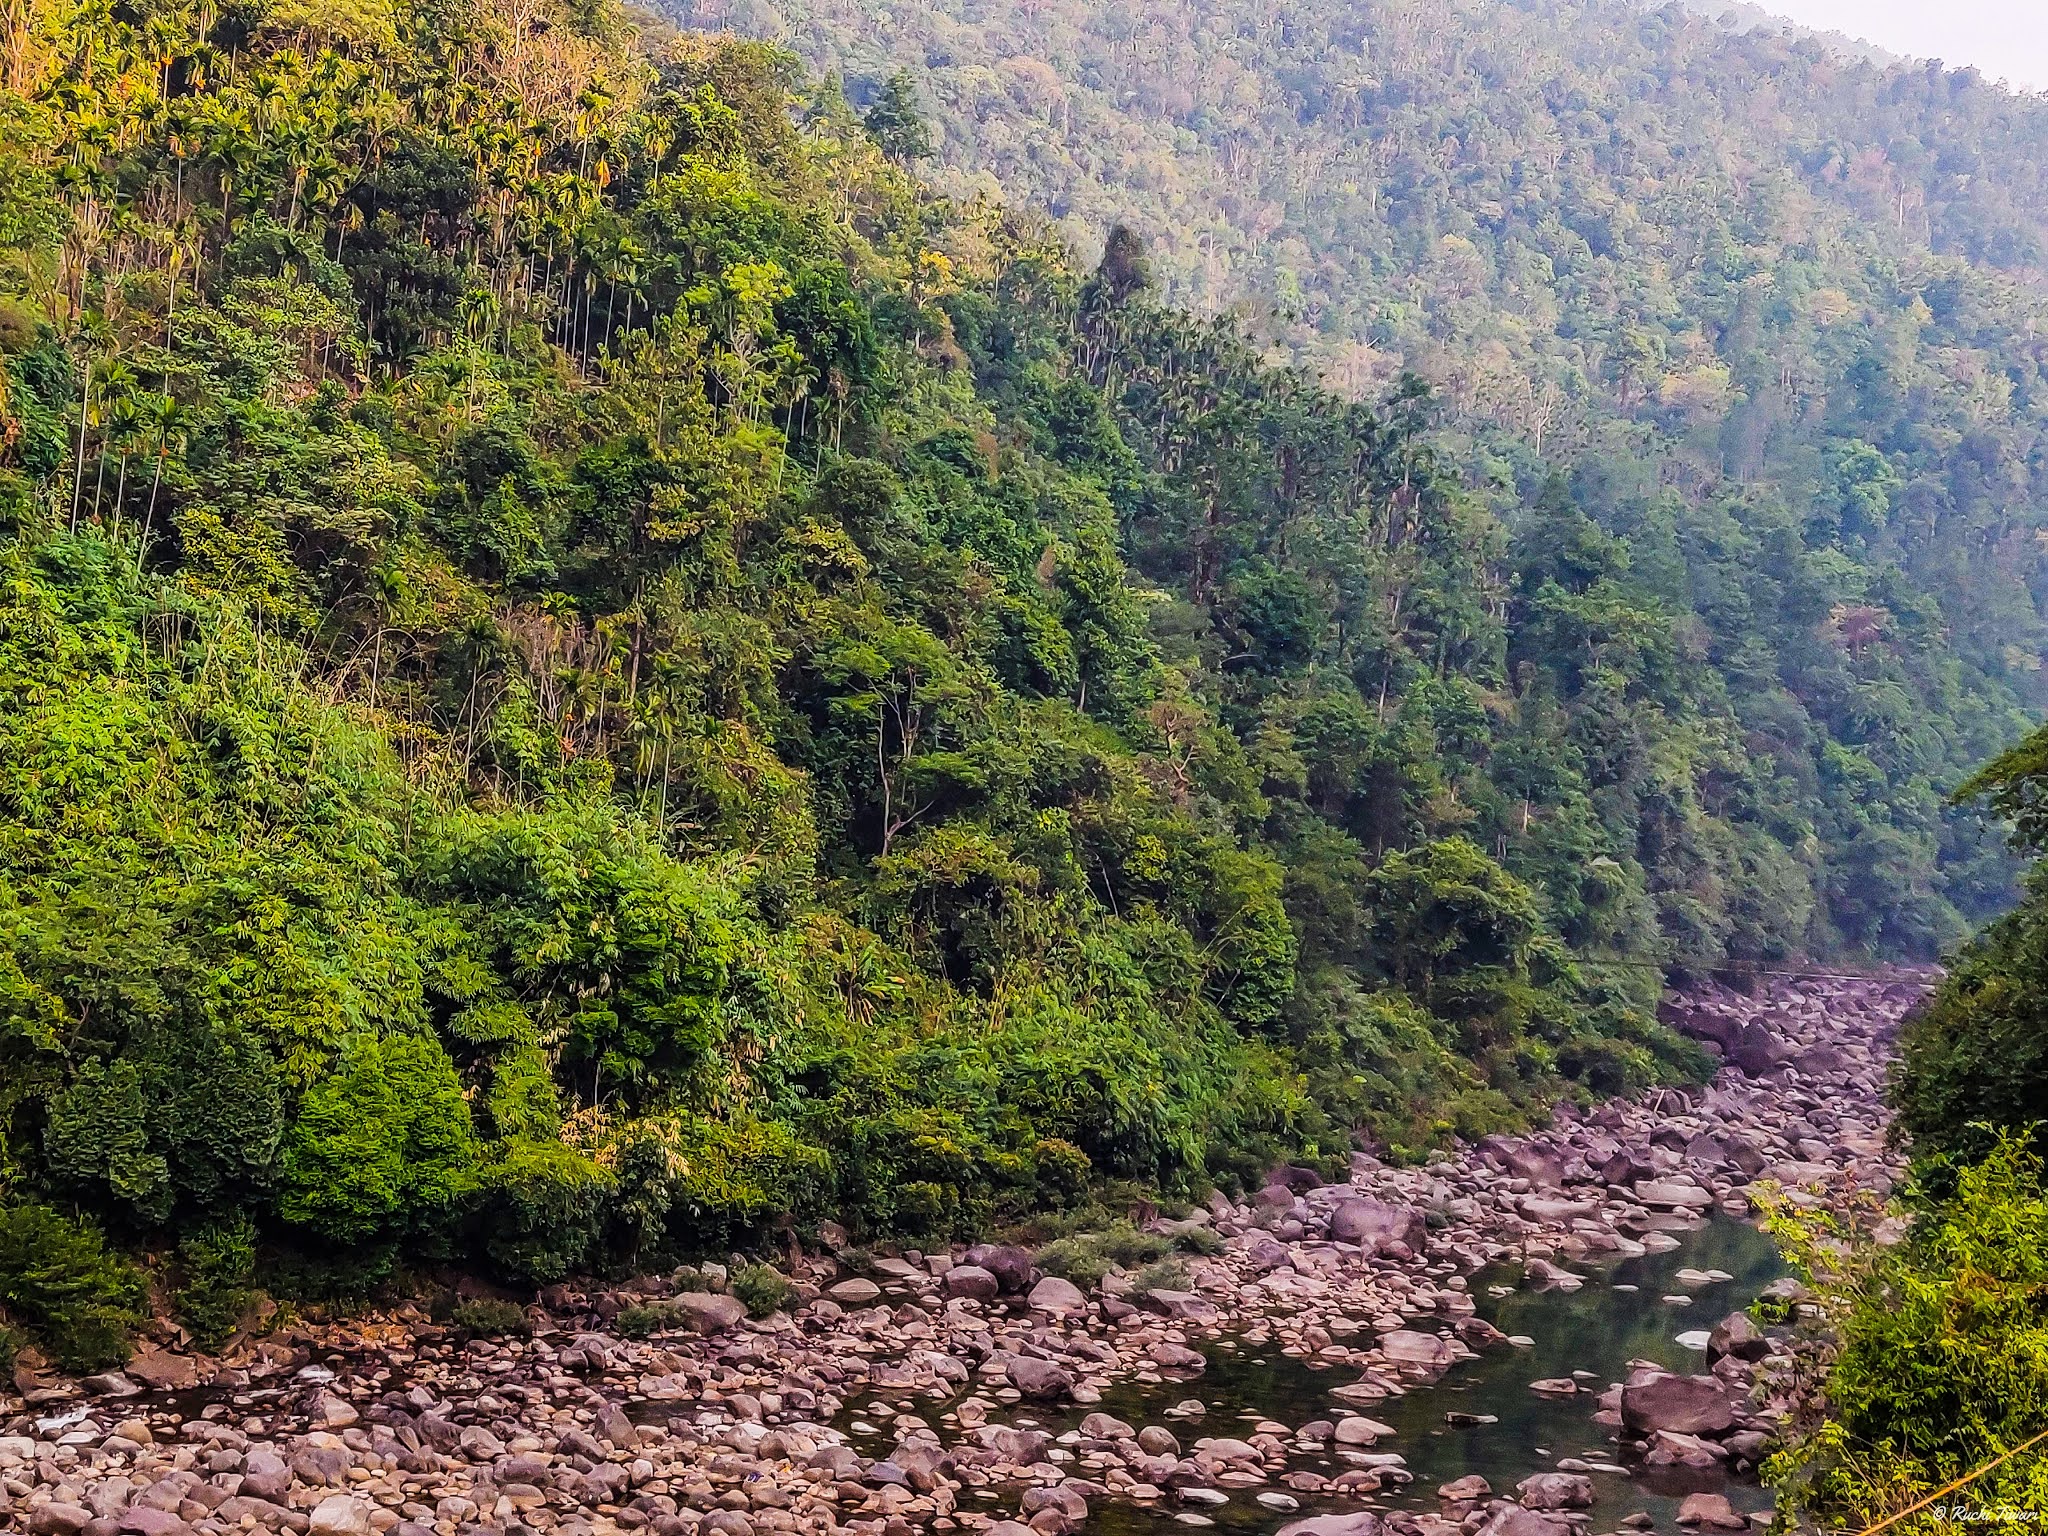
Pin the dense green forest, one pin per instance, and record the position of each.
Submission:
(1939, 1368)
(590, 666)
(1771, 310)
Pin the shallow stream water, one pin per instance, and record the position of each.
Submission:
(1599, 1328)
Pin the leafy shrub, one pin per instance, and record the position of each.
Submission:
(77, 1300)
(1199, 1240)
(490, 1318)
(1086, 1257)
(346, 1280)
(1166, 1275)
(1073, 1258)
(764, 1289)
(1062, 1171)
(216, 1263)
(1942, 1359)
(382, 1143)
(550, 1202)
(645, 1318)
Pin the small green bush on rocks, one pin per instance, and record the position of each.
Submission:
(491, 1318)
(644, 1319)
(1166, 1275)
(763, 1288)
(1087, 1256)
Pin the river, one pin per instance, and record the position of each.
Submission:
(1619, 1316)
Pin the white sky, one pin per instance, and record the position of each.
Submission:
(2006, 39)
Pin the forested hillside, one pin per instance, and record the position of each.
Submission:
(586, 666)
(1774, 313)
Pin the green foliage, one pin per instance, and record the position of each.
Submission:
(1942, 1363)
(1737, 390)
(645, 1319)
(382, 1144)
(490, 1318)
(215, 1270)
(548, 1204)
(1086, 1257)
(895, 122)
(58, 1280)
(1165, 1275)
(1972, 1062)
(764, 1289)
(589, 671)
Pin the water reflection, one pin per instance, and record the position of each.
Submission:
(1598, 1329)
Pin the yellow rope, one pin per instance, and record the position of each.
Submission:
(1967, 1477)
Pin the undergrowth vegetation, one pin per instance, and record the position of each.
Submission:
(1940, 1362)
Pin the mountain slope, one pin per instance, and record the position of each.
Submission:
(589, 667)
(1757, 302)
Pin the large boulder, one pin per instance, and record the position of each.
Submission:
(1404, 1346)
(1035, 1378)
(1017, 1447)
(164, 1371)
(1052, 1294)
(1822, 1060)
(148, 1520)
(1010, 1266)
(1523, 1160)
(341, 1515)
(1513, 1520)
(1623, 1168)
(708, 1313)
(1746, 1156)
(1374, 1224)
(971, 1281)
(1182, 1306)
(1685, 1405)
(1737, 1334)
(1714, 1026)
(59, 1519)
(1555, 1490)
(1711, 1511)
(266, 1475)
(1357, 1430)
(1169, 1356)
(1356, 1523)
(1540, 1165)
(1759, 1053)
(1673, 1194)
(1265, 1255)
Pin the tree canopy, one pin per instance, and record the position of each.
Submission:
(590, 667)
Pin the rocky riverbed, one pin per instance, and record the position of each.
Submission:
(964, 1391)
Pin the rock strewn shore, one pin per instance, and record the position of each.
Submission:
(725, 1427)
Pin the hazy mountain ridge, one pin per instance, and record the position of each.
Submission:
(1739, 16)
